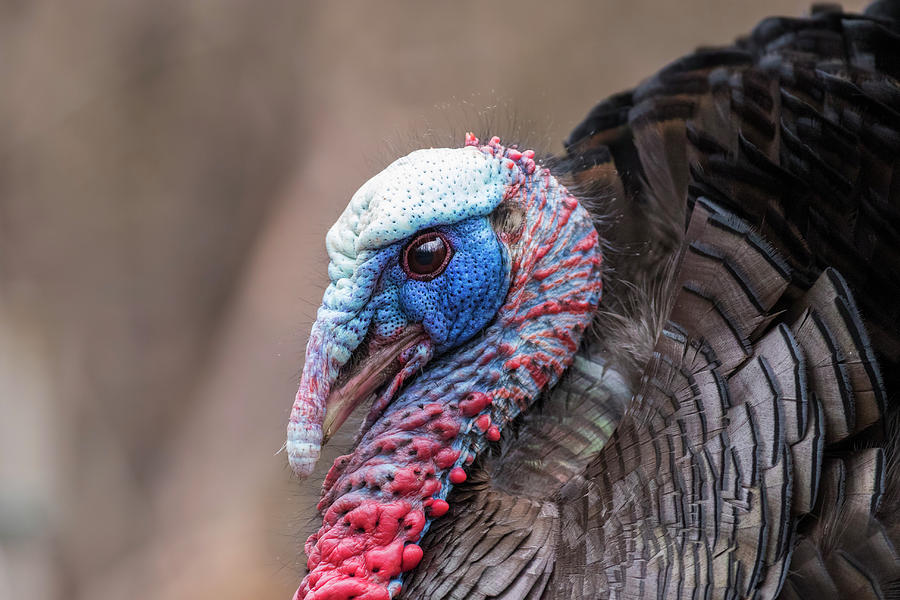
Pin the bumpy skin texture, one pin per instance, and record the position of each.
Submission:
(505, 319)
(427, 189)
(453, 307)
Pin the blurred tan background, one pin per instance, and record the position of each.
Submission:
(168, 169)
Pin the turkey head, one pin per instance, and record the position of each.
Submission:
(462, 281)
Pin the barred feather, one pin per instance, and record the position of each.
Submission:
(750, 201)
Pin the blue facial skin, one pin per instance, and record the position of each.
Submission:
(456, 304)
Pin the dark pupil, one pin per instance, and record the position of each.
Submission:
(427, 257)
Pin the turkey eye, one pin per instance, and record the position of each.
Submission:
(427, 256)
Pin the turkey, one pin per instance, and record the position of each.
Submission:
(721, 424)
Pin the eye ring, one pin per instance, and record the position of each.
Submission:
(426, 256)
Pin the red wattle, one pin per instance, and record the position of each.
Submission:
(457, 475)
(374, 502)
(438, 508)
(412, 554)
(446, 457)
(483, 422)
(474, 403)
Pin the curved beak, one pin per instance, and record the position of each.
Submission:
(330, 391)
(372, 372)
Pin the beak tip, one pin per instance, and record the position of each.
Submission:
(303, 458)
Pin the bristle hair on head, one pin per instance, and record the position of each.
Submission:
(449, 122)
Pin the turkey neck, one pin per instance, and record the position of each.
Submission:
(378, 501)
